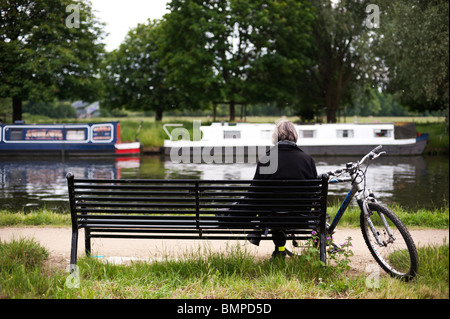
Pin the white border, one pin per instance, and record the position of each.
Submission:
(87, 140)
(102, 141)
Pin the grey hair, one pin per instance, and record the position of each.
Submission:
(284, 131)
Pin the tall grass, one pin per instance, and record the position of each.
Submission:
(21, 264)
(438, 139)
(423, 218)
(34, 218)
(24, 273)
(151, 134)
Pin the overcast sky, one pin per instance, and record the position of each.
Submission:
(122, 15)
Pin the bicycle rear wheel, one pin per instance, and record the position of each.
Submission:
(397, 255)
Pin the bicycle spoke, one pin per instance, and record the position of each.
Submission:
(389, 242)
(394, 251)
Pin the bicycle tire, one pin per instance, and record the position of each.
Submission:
(402, 263)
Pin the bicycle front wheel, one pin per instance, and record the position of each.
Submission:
(389, 242)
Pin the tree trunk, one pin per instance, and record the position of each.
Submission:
(232, 111)
(331, 114)
(332, 106)
(17, 109)
(330, 102)
(158, 115)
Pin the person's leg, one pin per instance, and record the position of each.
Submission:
(279, 239)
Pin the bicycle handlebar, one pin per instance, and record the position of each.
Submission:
(376, 149)
(373, 154)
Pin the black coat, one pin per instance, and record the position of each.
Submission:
(293, 164)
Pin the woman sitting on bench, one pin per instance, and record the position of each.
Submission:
(293, 164)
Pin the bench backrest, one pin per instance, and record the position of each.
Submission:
(193, 209)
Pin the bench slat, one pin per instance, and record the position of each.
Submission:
(166, 236)
(202, 199)
(131, 211)
(306, 232)
(134, 187)
(132, 193)
(292, 216)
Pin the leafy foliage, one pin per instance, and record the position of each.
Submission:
(309, 56)
(413, 45)
(339, 59)
(42, 58)
(236, 51)
(133, 75)
(55, 109)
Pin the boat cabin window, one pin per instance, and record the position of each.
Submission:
(44, 134)
(306, 133)
(345, 134)
(101, 133)
(15, 134)
(232, 134)
(76, 134)
(382, 133)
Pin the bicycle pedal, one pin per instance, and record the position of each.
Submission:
(333, 250)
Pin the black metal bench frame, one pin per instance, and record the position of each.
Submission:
(189, 209)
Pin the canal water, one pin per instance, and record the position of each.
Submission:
(412, 182)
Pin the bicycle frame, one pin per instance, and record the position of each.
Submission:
(353, 191)
(362, 196)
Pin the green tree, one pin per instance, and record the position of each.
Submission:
(339, 56)
(236, 51)
(413, 44)
(184, 52)
(134, 77)
(370, 101)
(45, 53)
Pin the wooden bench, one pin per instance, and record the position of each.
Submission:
(195, 209)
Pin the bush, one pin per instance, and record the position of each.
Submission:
(55, 109)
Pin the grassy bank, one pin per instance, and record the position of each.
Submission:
(422, 218)
(438, 139)
(438, 218)
(25, 273)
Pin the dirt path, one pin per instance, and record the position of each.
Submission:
(58, 241)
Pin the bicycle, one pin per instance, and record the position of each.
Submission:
(387, 238)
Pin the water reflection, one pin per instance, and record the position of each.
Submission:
(394, 180)
(412, 182)
(42, 181)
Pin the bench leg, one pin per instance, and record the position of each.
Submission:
(74, 248)
(323, 247)
(87, 241)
